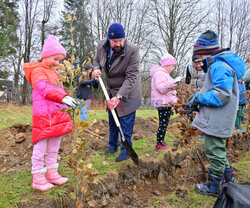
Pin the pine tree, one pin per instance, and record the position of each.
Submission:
(9, 22)
(83, 39)
(8, 25)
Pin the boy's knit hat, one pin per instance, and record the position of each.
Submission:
(207, 43)
(168, 60)
(115, 31)
(52, 47)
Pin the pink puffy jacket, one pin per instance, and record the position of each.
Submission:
(47, 95)
(162, 92)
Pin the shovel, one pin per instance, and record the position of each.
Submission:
(125, 142)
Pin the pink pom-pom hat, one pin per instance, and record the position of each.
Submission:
(52, 47)
(168, 60)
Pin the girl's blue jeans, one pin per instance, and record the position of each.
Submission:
(84, 109)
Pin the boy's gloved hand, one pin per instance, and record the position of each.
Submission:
(190, 107)
(69, 101)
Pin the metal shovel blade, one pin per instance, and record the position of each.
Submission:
(129, 148)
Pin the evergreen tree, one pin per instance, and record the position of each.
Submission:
(8, 25)
(83, 39)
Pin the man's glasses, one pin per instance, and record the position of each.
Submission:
(117, 41)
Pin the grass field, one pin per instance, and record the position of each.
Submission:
(16, 187)
(21, 114)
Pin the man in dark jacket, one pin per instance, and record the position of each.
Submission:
(216, 103)
(120, 60)
(84, 90)
(194, 73)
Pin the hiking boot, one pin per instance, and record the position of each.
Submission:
(39, 180)
(239, 128)
(211, 187)
(111, 150)
(121, 157)
(228, 175)
(162, 146)
(53, 176)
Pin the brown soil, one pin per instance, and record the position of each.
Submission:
(134, 185)
(16, 147)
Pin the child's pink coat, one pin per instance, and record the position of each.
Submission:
(47, 95)
(162, 84)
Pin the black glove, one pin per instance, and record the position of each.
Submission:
(196, 104)
(190, 107)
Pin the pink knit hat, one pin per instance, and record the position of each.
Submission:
(168, 60)
(52, 47)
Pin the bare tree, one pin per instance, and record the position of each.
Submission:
(31, 14)
(47, 7)
(232, 23)
(219, 20)
(240, 39)
(101, 18)
(16, 63)
(132, 14)
(178, 23)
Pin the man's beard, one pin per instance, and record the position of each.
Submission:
(117, 49)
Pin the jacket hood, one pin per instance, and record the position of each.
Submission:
(233, 60)
(29, 67)
(156, 68)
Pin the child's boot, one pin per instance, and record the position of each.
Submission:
(53, 176)
(211, 186)
(39, 180)
(228, 175)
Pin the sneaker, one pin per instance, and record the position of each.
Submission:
(239, 128)
(121, 157)
(110, 150)
(162, 146)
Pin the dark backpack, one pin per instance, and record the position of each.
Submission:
(234, 195)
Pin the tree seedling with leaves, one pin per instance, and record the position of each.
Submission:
(82, 171)
(188, 132)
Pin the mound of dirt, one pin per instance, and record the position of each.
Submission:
(16, 146)
(133, 186)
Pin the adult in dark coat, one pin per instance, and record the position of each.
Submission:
(119, 59)
(84, 90)
(195, 73)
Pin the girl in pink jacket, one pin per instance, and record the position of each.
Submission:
(49, 123)
(163, 96)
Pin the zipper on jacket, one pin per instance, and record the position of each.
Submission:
(50, 121)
